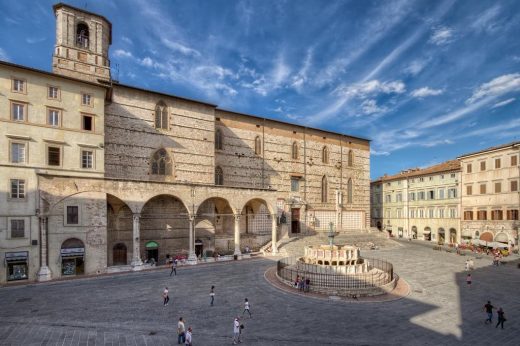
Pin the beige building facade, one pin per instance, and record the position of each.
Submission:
(99, 175)
(419, 203)
(490, 194)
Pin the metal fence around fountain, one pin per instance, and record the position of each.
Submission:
(324, 277)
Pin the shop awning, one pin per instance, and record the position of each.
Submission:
(152, 245)
(16, 256)
(73, 252)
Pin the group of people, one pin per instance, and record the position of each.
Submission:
(488, 308)
(303, 284)
(185, 336)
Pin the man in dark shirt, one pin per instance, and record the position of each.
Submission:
(489, 310)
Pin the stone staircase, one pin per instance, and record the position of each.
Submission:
(365, 240)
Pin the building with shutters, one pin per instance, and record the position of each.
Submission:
(98, 174)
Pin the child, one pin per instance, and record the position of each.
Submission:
(166, 298)
(246, 308)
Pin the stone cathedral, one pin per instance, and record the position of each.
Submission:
(96, 174)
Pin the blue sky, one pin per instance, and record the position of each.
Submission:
(424, 80)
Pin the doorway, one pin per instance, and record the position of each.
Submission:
(72, 257)
(119, 254)
(295, 220)
(152, 251)
(199, 248)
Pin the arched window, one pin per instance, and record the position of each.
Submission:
(82, 35)
(161, 163)
(350, 158)
(350, 192)
(161, 116)
(325, 155)
(218, 140)
(324, 189)
(295, 150)
(219, 176)
(258, 145)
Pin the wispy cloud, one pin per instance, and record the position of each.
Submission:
(425, 92)
(127, 40)
(180, 48)
(503, 103)
(3, 55)
(498, 86)
(121, 53)
(33, 40)
(370, 107)
(415, 67)
(488, 20)
(371, 87)
(442, 35)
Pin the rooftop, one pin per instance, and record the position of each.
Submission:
(502, 146)
(447, 166)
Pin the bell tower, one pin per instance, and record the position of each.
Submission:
(82, 42)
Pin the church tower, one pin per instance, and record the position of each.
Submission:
(82, 42)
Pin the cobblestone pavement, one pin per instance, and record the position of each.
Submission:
(127, 309)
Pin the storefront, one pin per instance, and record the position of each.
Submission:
(72, 257)
(17, 265)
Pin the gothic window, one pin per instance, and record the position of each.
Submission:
(219, 176)
(324, 189)
(350, 158)
(258, 145)
(218, 140)
(295, 150)
(161, 116)
(325, 155)
(82, 35)
(161, 163)
(349, 191)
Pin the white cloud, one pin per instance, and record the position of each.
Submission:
(378, 153)
(301, 77)
(441, 36)
(121, 53)
(3, 55)
(370, 107)
(180, 48)
(496, 87)
(147, 61)
(415, 67)
(426, 91)
(372, 87)
(435, 143)
(127, 40)
(503, 103)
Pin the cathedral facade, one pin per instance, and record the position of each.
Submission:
(98, 174)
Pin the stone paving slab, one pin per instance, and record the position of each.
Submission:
(127, 309)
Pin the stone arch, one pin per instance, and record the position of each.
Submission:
(258, 145)
(217, 212)
(502, 237)
(486, 236)
(82, 35)
(453, 235)
(119, 229)
(441, 235)
(256, 223)
(72, 253)
(427, 233)
(164, 219)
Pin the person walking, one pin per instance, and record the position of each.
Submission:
(468, 280)
(174, 267)
(247, 307)
(236, 331)
(212, 295)
(181, 332)
(489, 311)
(166, 298)
(501, 318)
(187, 342)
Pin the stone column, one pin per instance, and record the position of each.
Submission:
(274, 238)
(44, 273)
(192, 258)
(237, 235)
(137, 263)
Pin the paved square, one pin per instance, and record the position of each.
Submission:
(127, 309)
